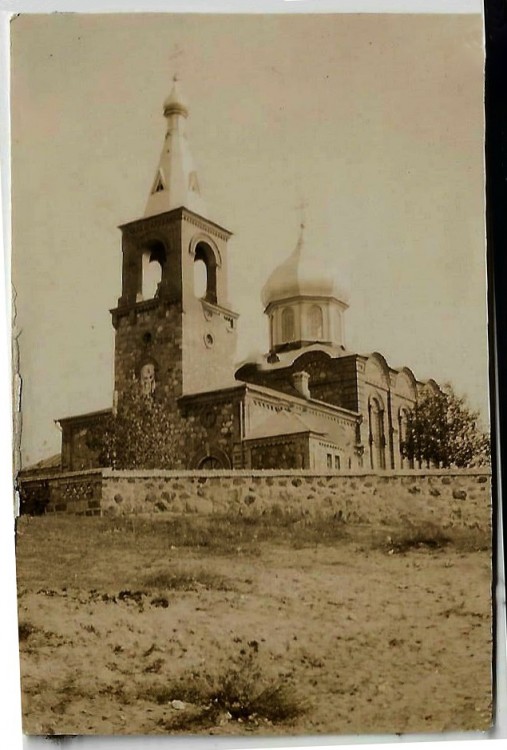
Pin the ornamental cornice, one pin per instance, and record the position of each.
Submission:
(207, 226)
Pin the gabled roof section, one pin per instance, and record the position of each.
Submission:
(282, 423)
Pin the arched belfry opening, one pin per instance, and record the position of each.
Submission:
(153, 262)
(205, 273)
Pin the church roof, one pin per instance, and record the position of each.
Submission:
(300, 276)
(175, 183)
(45, 466)
(282, 423)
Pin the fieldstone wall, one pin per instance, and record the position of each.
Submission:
(448, 498)
(458, 499)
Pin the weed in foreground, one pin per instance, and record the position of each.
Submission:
(243, 692)
(427, 535)
(181, 580)
(431, 536)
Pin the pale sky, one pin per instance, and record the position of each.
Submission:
(376, 122)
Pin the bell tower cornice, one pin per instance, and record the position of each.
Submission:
(147, 225)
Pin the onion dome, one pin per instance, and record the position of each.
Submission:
(175, 104)
(302, 275)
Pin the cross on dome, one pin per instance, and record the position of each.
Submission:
(300, 276)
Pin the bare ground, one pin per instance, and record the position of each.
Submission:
(231, 626)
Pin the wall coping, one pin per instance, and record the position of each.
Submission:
(351, 473)
(255, 473)
(43, 475)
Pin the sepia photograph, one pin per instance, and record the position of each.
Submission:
(250, 333)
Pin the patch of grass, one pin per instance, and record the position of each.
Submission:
(232, 534)
(241, 692)
(108, 553)
(181, 580)
(428, 536)
(433, 537)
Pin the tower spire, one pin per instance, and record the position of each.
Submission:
(175, 183)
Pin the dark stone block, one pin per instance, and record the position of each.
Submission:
(459, 494)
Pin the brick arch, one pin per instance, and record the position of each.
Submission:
(211, 453)
(406, 384)
(377, 370)
(207, 240)
(431, 386)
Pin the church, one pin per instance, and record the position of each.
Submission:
(308, 403)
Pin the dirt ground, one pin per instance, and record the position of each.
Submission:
(156, 626)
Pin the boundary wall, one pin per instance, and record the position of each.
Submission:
(458, 498)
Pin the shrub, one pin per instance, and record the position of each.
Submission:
(427, 535)
(243, 691)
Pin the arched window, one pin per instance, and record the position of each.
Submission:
(152, 264)
(403, 417)
(288, 332)
(376, 434)
(205, 273)
(209, 463)
(315, 322)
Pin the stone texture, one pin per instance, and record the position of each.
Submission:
(441, 497)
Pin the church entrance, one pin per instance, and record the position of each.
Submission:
(209, 463)
(211, 458)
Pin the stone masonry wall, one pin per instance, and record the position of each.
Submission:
(75, 492)
(460, 499)
(449, 499)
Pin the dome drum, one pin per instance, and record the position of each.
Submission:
(301, 321)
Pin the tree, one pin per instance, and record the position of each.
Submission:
(139, 434)
(443, 431)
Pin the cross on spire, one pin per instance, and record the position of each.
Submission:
(302, 205)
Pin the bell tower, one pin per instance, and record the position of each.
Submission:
(175, 332)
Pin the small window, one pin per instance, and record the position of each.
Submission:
(288, 332)
(315, 322)
(329, 461)
(337, 462)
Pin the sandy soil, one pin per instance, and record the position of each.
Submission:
(370, 639)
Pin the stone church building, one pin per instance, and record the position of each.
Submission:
(308, 403)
